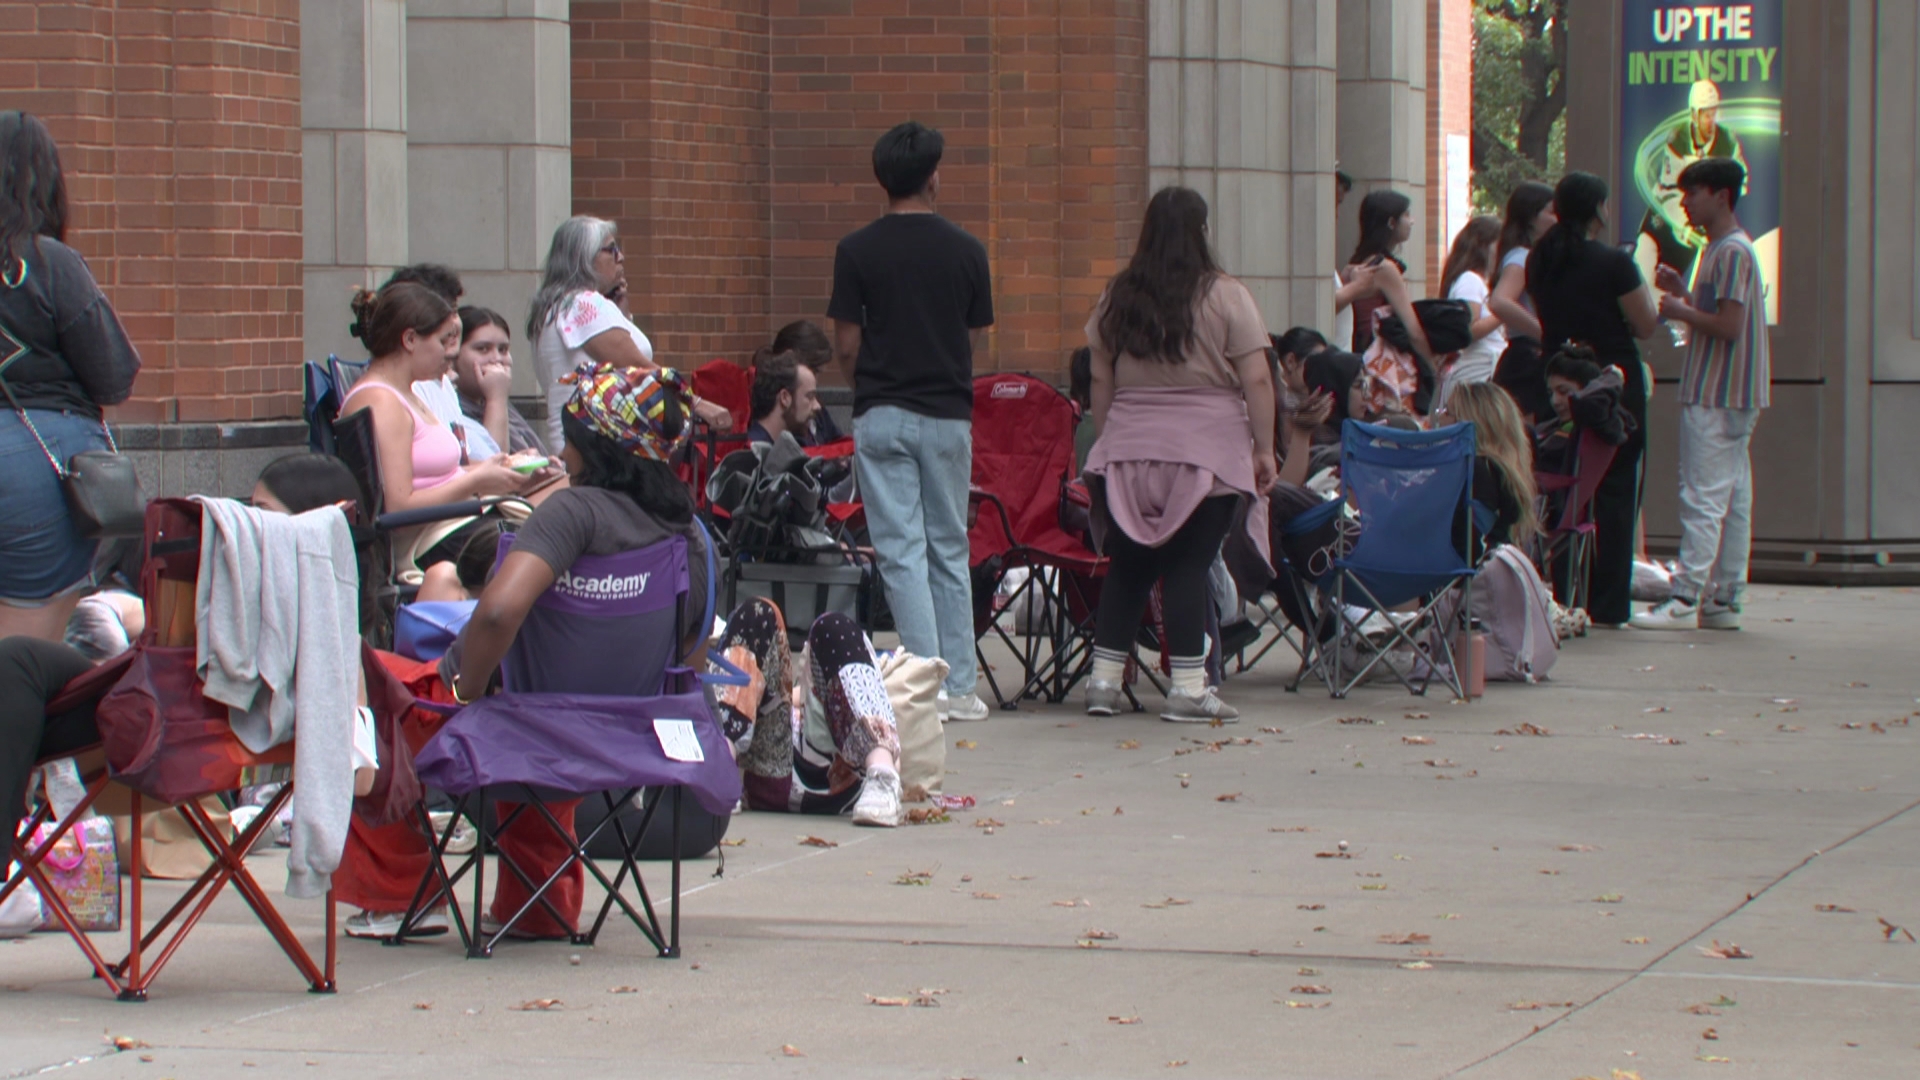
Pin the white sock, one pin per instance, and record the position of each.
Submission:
(1190, 675)
(1109, 666)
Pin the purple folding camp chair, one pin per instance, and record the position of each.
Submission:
(594, 667)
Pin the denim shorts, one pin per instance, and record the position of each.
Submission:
(40, 554)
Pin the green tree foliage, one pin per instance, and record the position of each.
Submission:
(1519, 96)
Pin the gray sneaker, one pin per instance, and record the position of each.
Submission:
(879, 802)
(1205, 709)
(967, 707)
(1104, 698)
(1715, 615)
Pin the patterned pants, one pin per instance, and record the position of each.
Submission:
(808, 760)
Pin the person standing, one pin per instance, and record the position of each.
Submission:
(1588, 292)
(63, 355)
(1183, 399)
(1723, 387)
(910, 291)
(1518, 371)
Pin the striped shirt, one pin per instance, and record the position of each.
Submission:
(1729, 373)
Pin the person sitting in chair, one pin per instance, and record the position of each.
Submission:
(785, 398)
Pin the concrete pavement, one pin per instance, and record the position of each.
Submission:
(1553, 893)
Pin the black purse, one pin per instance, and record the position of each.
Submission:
(102, 489)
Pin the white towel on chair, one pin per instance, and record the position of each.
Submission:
(277, 607)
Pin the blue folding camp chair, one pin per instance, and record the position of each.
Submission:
(1411, 495)
(325, 385)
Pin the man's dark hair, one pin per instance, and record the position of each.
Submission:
(1715, 174)
(441, 279)
(806, 341)
(905, 159)
(1080, 377)
(1299, 342)
(1342, 180)
(773, 373)
(304, 482)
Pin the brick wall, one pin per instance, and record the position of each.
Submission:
(1043, 105)
(1449, 111)
(179, 129)
(731, 139)
(670, 141)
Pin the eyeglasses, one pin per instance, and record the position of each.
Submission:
(613, 249)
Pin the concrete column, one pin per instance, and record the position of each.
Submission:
(1241, 108)
(1382, 139)
(489, 171)
(353, 119)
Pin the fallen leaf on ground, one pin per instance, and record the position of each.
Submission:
(1311, 988)
(1273, 731)
(1715, 1059)
(1833, 909)
(889, 1002)
(1729, 951)
(914, 877)
(1663, 740)
(1070, 903)
(1181, 1064)
(1609, 898)
(986, 896)
(1711, 1035)
(1551, 873)
(1311, 907)
(122, 1042)
(1358, 720)
(1524, 729)
(1578, 847)
(423, 1006)
(966, 744)
(818, 841)
(1788, 727)
(1701, 1009)
(1333, 855)
(1307, 971)
(988, 823)
(1123, 1020)
(537, 1005)
(1635, 940)
(1441, 763)
(1101, 935)
(928, 815)
(1308, 1004)
(1448, 916)
(1888, 930)
(1417, 965)
(1419, 716)
(737, 841)
(1289, 828)
(1374, 888)
(791, 1050)
(1656, 709)
(1405, 939)
(1231, 796)
(1416, 740)
(1128, 744)
(623, 989)
(1167, 903)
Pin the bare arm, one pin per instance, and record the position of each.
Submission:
(1256, 383)
(615, 347)
(1103, 386)
(1484, 321)
(1642, 318)
(1293, 470)
(1506, 303)
(846, 347)
(1394, 288)
(496, 620)
(1725, 322)
(393, 435)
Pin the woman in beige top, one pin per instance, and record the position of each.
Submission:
(1183, 402)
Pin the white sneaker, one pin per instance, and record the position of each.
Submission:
(1675, 614)
(1183, 708)
(1103, 697)
(879, 802)
(1715, 615)
(385, 924)
(967, 707)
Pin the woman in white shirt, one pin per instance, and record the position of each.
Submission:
(1520, 370)
(1469, 268)
(576, 315)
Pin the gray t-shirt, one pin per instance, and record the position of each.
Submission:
(580, 521)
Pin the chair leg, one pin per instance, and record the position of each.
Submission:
(672, 950)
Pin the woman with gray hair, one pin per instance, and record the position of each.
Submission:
(577, 315)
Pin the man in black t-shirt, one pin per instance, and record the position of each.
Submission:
(909, 292)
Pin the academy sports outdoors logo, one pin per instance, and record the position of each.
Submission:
(606, 587)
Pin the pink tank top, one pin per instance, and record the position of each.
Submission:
(436, 452)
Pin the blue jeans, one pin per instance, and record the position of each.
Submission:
(40, 554)
(914, 473)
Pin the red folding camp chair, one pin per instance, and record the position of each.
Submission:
(1572, 537)
(1022, 463)
(166, 745)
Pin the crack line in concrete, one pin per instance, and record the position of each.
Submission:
(1696, 935)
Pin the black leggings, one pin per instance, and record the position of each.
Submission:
(1181, 563)
(32, 673)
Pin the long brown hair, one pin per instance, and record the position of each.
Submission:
(1150, 304)
(1472, 250)
(1501, 437)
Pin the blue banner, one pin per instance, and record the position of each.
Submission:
(1701, 80)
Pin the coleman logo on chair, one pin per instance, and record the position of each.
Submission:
(1010, 390)
(605, 587)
